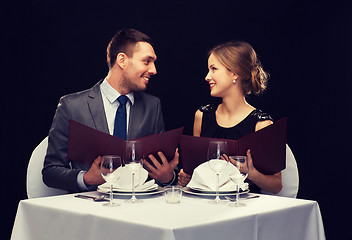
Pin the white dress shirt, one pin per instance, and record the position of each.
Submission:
(110, 102)
(110, 95)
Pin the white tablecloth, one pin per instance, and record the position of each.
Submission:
(266, 217)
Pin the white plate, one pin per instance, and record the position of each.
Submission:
(151, 188)
(244, 185)
(120, 192)
(211, 193)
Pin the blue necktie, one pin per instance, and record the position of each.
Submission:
(121, 118)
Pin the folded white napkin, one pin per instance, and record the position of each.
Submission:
(124, 181)
(204, 179)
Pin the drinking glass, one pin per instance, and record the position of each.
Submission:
(217, 159)
(173, 194)
(109, 164)
(241, 163)
(134, 163)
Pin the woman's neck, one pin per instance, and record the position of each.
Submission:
(232, 111)
(235, 105)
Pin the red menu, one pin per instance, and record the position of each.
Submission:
(86, 143)
(268, 148)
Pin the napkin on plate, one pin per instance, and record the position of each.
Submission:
(204, 178)
(124, 182)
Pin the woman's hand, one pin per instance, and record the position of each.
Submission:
(183, 178)
(270, 183)
(251, 169)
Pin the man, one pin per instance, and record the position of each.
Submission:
(131, 58)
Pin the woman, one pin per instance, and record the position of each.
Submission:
(234, 72)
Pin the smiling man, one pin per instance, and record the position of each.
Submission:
(131, 60)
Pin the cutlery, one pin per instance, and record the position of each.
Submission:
(234, 200)
(95, 199)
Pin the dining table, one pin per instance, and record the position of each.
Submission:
(264, 217)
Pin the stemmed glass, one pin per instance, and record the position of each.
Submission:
(134, 163)
(109, 164)
(241, 163)
(218, 159)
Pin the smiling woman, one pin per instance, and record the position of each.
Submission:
(240, 59)
(234, 72)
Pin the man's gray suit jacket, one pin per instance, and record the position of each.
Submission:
(87, 108)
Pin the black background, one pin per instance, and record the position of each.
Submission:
(52, 48)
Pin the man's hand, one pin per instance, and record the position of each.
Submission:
(93, 176)
(162, 172)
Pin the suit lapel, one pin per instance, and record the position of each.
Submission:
(96, 107)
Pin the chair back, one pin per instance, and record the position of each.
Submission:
(290, 178)
(35, 185)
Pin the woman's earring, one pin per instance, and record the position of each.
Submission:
(234, 81)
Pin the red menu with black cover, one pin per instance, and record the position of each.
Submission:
(268, 148)
(86, 143)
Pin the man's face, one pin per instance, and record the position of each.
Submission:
(139, 68)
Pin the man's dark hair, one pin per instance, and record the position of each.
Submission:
(124, 41)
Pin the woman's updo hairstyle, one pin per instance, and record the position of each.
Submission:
(240, 58)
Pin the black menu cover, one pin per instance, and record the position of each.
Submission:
(268, 148)
(86, 143)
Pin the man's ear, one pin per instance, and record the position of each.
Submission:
(121, 60)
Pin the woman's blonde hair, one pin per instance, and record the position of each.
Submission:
(240, 58)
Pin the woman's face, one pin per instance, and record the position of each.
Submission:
(220, 79)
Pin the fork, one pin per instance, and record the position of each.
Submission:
(234, 200)
(95, 199)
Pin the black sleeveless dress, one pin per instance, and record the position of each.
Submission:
(211, 129)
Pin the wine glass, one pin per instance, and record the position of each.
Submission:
(109, 164)
(134, 163)
(241, 163)
(217, 159)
